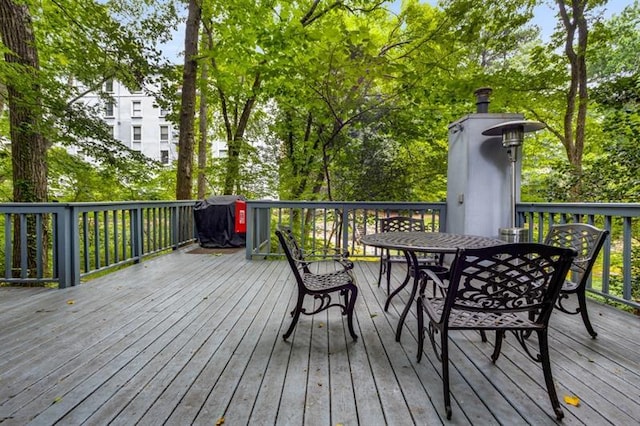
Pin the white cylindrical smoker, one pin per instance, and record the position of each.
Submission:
(477, 173)
(483, 182)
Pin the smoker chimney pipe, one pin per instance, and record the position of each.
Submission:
(482, 99)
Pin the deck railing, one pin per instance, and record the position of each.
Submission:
(329, 226)
(64, 242)
(324, 227)
(616, 275)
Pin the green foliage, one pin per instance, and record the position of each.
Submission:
(635, 273)
(80, 45)
(71, 179)
(615, 174)
(615, 45)
(352, 102)
(6, 183)
(367, 169)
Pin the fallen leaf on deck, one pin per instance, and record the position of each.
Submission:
(70, 302)
(320, 325)
(220, 421)
(572, 400)
(372, 316)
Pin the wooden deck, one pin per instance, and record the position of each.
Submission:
(194, 338)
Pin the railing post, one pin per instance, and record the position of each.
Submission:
(192, 221)
(442, 218)
(7, 246)
(626, 257)
(345, 227)
(606, 256)
(74, 233)
(136, 234)
(175, 227)
(62, 250)
(66, 246)
(251, 229)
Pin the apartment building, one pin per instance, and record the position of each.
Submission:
(138, 122)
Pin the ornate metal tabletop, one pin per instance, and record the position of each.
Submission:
(435, 242)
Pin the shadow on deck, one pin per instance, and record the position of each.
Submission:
(194, 338)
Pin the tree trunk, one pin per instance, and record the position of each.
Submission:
(203, 141)
(234, 143)
(28, 145)
(186, 140)
(575, 116)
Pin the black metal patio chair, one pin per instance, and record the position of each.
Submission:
(511, 287)
(338, 258)
(587, 240)
(319, 285)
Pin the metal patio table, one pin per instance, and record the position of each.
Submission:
(414, 242)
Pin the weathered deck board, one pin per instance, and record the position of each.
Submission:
(191, 338)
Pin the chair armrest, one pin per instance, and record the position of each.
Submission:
(346, 263)
(328, 253)
(341, 265)
(338, 256)
(436, 277)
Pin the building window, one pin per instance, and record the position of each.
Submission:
(136, 109)
(112, 131)
(164, 134)
(108, 109)
(136, 134)
(108, 86)
(164, 156)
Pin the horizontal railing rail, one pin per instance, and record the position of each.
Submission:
(65, 242)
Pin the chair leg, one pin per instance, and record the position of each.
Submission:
(548, 378)
(388, 277)
(444, 348)
(350, 308)
(381, 271)
(420, 314)
(498, 345)
(582, 302)
(296, 315)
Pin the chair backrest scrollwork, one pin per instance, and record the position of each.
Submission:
(585, 239)
(508, 278)
(400, 224)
